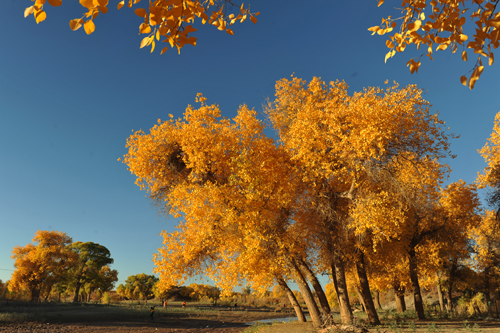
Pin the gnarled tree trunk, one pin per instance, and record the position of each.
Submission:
(292, 299)
(376, 293)
(307, 294)
(342, 294)
(399, 295)
(417, 296)
(440, 295)
(365, 291)
(323, 301)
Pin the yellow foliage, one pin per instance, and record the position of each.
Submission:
(440, 24)
(39, 265)
(171, 20)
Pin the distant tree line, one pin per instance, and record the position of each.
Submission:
(54, 266)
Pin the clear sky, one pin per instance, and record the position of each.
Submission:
(68, 102)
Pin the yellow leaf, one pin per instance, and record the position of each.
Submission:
(463, 37)
(87, 3)
(28, 11)
(141, 12)
(75, 24)
(380, 2)
(144, 28)
(153, 46)
(253, 19)
(40, 16)
(414, 26)
(442, 47)
(464, 55)
(164, 50)
(120, 4)
(89, 27)
(55, 3)
(229, 31)
(389, 44)
(387, 56)
(144, 42)
(463, 79)
(491, 59)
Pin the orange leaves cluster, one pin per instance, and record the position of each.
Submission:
(39, 265)
(249, 205)
(334, 134)
(440, 24)
(169, 21)
(491, 154)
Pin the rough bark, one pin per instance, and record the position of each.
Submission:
(399, 295)
(365, 292)
(376, 293)
(487, 289)
(417, 296)
(292, 299)
(440, 295)
(357, 288)
(323, 301)
(35, 294)
(342, 293)
(307, 294)
(450, 284)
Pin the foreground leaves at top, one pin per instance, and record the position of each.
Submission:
(168, 21)
(438, 25)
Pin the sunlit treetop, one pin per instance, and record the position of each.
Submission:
(491, 154)
(334, 134)
(441, 24)
(169, 21)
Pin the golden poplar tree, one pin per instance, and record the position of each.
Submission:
(40, 264)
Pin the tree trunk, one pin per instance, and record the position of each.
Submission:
(357, 288)
(399, 294)
(365, 292)
(487, 289)
(323, 301)
(377, 300)
(292, 299)
(343, 296)
(77, 291)
(449, 290)
(417, 296)
(307, 294)
(35, 294)
(440, 296)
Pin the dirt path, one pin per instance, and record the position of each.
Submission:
(102, 327)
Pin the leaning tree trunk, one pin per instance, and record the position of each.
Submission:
(440, 296)
(323, 301)
(357, 288)
(365, 292)
(342, 293)
(399, 295)
(417, 296)
(292, 299)
(377, 300)
(307, 294)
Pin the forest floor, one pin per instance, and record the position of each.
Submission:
(15, 317)
(200, 318)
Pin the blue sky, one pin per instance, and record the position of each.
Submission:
(68, 102)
